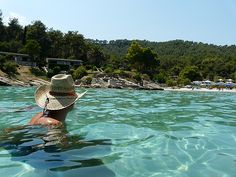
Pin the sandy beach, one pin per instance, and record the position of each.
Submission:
(200, 90)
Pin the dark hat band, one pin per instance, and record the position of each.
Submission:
(62, 94)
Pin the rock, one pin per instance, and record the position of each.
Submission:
(115, 83)
(129, 84)
(102, 80)
(37, 82)
(98, 83)
(18, 83)
(4, 81)
(151, 86)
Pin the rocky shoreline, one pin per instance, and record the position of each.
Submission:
(102, 81)
(6, 81)
(105, 81)
(97, 79)
(96, 82)
(117, 83)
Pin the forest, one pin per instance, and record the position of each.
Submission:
(174, 62)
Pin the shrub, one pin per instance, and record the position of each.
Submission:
(137, 77)
(233, 76)
(191, 73)
(79, 72)
(121, 73)
(183, 81)
(91, 67)
(37, 72)
(108, 70)
(54, 71)
(88, 80)
(71, 71)
(9, 67)
(160, 78)
(2, 61)
(171, 83)
(118, 71)
(146, 77)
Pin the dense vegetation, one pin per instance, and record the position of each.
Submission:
(179, 60)
(172, 62)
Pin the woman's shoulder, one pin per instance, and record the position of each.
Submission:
(35, 118)
(40, 119)
(48, 121)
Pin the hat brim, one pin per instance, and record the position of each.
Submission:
(55, 102)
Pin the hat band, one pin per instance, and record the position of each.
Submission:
(62, 94)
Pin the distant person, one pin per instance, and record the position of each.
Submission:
(56, 99)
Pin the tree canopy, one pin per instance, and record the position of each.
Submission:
(211, 61)
(141, 58)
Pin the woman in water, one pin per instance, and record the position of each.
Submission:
(56, 99)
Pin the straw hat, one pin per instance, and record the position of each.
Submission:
(59, 94)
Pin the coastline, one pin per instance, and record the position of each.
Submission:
(111, 83)
(200, 90)
(27, 82)
(116, 82)
(26, 79)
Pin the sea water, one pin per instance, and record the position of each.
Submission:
(124, 133)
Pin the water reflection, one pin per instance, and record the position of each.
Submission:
(56, 150)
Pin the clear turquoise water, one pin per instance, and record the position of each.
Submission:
(122, 133)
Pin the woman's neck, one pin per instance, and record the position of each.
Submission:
(59, 115)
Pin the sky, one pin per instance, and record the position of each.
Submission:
(207, 21)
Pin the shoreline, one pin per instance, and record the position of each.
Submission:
(200, 90)
(131, 88)
(25, 79)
